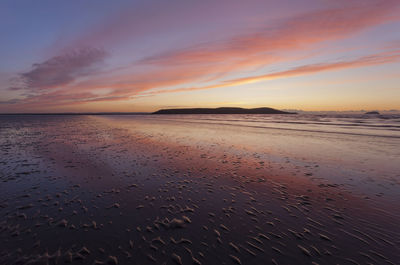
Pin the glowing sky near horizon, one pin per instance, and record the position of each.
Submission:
(75, 56)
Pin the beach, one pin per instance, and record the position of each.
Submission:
(199, 189)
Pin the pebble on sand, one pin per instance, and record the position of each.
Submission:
(235, 259)
(112, 260)
(176, 258)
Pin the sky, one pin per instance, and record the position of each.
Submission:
(140, 56)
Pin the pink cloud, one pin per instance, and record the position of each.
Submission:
(208, 62)
(375, 59)
(128, 91)
(299, 32)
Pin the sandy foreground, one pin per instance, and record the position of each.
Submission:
(131, 190)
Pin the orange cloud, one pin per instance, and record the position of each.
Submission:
(376, 59)
(126, 91)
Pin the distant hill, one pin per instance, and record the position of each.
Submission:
(225, 110)
(372, 113)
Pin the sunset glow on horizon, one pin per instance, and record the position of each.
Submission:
(140, 56)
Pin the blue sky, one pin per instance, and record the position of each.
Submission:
(144, 55)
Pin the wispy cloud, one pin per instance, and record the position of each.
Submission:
(299, 32)
(10, 101)
(61, 70)
(129, 91)
(72, 77)
(375, 59)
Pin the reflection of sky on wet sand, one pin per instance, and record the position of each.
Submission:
(104, 182)
(362, 153)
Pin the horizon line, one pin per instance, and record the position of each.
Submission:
(150, 112)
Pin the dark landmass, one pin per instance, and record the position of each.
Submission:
(372, 112)
(225, 110)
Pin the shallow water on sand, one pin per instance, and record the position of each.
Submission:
(204, 189)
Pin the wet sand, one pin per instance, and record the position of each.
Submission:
(131, 190)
